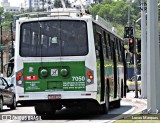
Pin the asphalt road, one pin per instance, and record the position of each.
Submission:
(129, 106)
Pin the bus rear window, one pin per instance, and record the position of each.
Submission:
(53, 38)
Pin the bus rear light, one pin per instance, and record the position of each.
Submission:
(20, 82)
(89, 80)
(90, 76)
(19, 73)
(18, 78)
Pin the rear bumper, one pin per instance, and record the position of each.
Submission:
(68, 99)
(64, 95)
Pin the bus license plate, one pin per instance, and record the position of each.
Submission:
(54, 96)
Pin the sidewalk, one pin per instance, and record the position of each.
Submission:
(130, 96)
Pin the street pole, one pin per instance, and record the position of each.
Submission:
(43, 5)
(135, 61)
(129, 13)
(12, 41)
(153, 58)
(1, 51)
(143, 52)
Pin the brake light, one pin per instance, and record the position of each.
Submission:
(18, 78)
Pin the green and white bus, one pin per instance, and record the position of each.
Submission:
(67, 60)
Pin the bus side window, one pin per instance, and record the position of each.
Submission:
(106, 44)
(117, 47)
(97, 46)
(110, 47)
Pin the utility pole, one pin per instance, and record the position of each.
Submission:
(12, 51)
(135, 61)
(1, 50)
(153, 58)
(129, 13)
(1, 44)
(143, 51)
(43, 5)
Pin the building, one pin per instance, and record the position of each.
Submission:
(34, 4)
(7, 8)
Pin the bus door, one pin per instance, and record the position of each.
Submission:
(115, 69)
(100, 59)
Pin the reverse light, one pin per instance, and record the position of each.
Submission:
(89, 80)
(20, 82)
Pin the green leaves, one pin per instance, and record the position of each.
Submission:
(116, 11)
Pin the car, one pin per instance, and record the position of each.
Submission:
(131, 84)
(11, 80)
(7, 94)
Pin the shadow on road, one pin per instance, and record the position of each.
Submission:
(83, 114)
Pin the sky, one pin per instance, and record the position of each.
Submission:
(18, 2)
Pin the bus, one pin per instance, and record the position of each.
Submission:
(67, 60)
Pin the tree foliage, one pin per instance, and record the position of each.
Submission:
(117, 11)
(58, 4)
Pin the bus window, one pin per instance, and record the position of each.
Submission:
(54, 38)
(117, 47)
(106, 44)
(110, 47)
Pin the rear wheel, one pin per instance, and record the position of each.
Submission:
(38, 110)
(1, 104)
(44, 109)
(117, 103)
(105, 106)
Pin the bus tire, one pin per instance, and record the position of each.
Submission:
(105, 106)
(43, 109)
(38, 110)
(117, 103)
(122, 87)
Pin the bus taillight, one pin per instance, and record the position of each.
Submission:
(18, 77)
(90, 76)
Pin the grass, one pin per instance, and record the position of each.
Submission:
(141, 118)
(137, 121)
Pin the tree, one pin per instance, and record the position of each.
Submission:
(1, 12)
(67, 3)
(57, 4)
